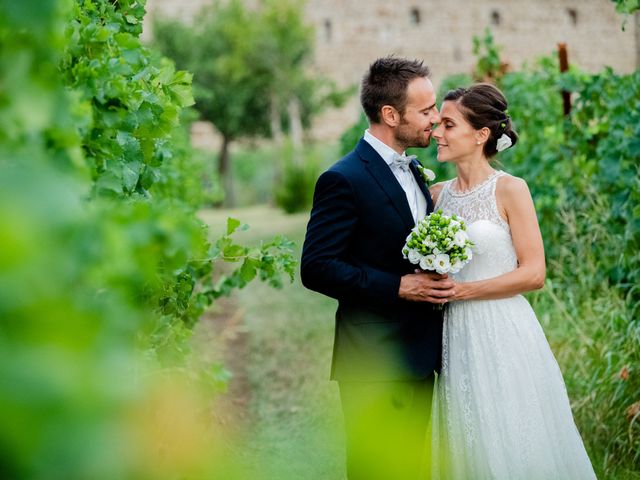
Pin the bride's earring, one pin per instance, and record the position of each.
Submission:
(477, 142)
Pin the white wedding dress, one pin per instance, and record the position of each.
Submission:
(501, 410)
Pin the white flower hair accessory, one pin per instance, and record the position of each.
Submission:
(504, 142)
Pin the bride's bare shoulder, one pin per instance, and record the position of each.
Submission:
(509, 186)
(513, 198)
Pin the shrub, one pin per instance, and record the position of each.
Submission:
(295, 193)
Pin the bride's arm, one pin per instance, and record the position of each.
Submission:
(515, 201)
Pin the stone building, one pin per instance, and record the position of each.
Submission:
(350, 34)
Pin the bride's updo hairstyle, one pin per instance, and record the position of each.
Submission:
(483, 105)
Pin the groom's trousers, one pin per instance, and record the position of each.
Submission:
(387, 428)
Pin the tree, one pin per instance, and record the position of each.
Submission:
(229, 88)
(286, 46)
(250, 71)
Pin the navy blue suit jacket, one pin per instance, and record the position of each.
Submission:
(353, 252)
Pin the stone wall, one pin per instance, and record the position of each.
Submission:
(350, 34)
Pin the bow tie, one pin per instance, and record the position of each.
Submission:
(402, 161)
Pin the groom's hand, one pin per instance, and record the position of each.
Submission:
(426, 287)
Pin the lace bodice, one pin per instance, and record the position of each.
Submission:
(493, 249)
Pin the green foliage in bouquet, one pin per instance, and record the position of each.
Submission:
(439, 242)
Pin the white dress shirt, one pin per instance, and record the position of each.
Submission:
(407, 181)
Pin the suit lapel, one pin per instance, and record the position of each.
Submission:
(423, 187)
(387, 181)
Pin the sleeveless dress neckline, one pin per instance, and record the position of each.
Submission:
(477, 203)
(476, 187)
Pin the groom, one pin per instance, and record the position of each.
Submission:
(388, 334)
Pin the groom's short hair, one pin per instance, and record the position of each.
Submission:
(386, 83)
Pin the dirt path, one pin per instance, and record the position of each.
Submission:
(222, 337)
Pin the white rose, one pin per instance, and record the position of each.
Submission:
(427, 262)
(414, 256)
(456, 265)
(436, 250)
(442, 263)
(429, 174)
(460, 238)
(503, 142)
(469, 253)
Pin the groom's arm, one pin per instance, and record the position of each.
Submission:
(330, 231)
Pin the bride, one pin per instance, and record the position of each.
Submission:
(502, 407)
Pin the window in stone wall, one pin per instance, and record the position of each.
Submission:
(573, 16)
(415, 16)
(495, 18)
(328, 27)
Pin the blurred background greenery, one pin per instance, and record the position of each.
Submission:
(116, 346)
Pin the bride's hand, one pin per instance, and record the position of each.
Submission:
(462, 291)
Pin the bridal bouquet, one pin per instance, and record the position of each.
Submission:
(439, 242)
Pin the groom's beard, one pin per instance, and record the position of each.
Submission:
(408, 135)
